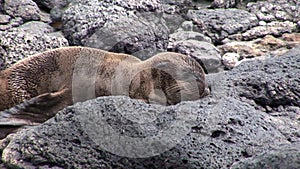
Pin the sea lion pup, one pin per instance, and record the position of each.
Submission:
(37, 87)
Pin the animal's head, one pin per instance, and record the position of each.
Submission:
(172, 78)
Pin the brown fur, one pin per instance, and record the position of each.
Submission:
(45, 81)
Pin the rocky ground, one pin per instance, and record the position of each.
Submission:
(249, 50)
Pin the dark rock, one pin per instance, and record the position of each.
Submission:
(140, 34)
(220, 23)
(229, 126)
(178, 2)
(56, 14)
(26, 9)
(1, 6)
(286, 157)
(49, 4)
(222, 129)
(116, 25)
(173, 21)
(2, 58)
(273, 84)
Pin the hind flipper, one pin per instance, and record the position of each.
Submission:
(33, 111)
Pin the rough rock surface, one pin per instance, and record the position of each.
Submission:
(220, 23)
(142, 28)
(17, 44)
(273, 28)
(50, 4)
(281, 158)
(142, 35)
(25, 9)
(268, 45)
(205, 53)
(253, 110)
(196, 45)
(250, 121)
(117, 26)
(229, 60)
(225, 3)
(279, 10)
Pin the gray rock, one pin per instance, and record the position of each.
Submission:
(13, 22)
(190, 26)
(273, 28)
(186, 35)
(26, 9)
(225, 3)
(205, 53)
(286, 157)
(4, 19)
(178, 7)
(215, 132)
(173, 21)
(140, 5)
(178, 2)
(18, 44)
(2, 58)
(216, 128)
(123, 27)
(1, 6)
(36, 27)
(276, 10)
(220, 23)
(142, 35)
(56, 14)
(49, 4)
(273, 82)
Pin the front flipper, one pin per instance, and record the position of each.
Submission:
(33, 111)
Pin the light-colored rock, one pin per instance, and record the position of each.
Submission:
(230, 60)
(18, 44)
(4, 19)
(274, 28)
